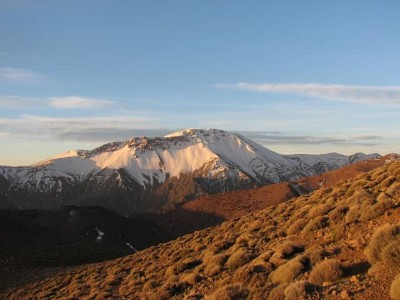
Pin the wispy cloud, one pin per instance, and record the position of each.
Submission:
(18, 102)
(93, 129)
(19, 75)
(112, 134)
(78, 102)
(279, 138)
(339, 92)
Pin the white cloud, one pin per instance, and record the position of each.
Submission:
(78, 102)
(340, 92)
(18, 75)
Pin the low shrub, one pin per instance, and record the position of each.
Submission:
(395, 288)
(243, 274)
(218, 259)
(316, 255)
(338, 213)
(319, 210)
(297, 226)
(229, 292)
(238, 259)
(338, 232)
(353, 214)
(191, 278)
(382, 237)
(391, 254)
(376, 210)
(328, 270)
(278, 293)
(298, 290)
(149, 285)
(317, 223)
(212, 270)
(289, 271)
(285, 252)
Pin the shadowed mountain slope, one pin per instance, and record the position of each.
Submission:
(224, 206)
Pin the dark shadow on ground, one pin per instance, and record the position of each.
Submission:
(355, 269)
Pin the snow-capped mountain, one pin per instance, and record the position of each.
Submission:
(145, 173)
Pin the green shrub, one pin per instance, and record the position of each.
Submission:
(382, 237)
(328, 270)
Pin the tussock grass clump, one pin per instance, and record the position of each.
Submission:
(218, 259)
(353, 214)
(149, 285)
(328, 270)
(238, 259)
(382, 237)
(289, 271)
(316, 255)
(212, 270)
(245, 273)
(229, 292)
(317, 223)
(376, 210)
(395, 288)
(278, 293)
(338, 232)
(297, 226)
(187, 264)
(391, 253)
(191, 278)
(220, 246)
(298, 290)
(319, 210)
(338, 213)
(285, 252)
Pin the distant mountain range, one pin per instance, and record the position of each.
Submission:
(144, 174)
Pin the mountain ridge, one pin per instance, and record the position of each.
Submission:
(145, 173)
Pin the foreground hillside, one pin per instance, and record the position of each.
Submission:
(326, 245)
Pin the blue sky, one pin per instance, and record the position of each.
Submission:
(296, 76)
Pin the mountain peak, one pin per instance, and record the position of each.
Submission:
(195, 131)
